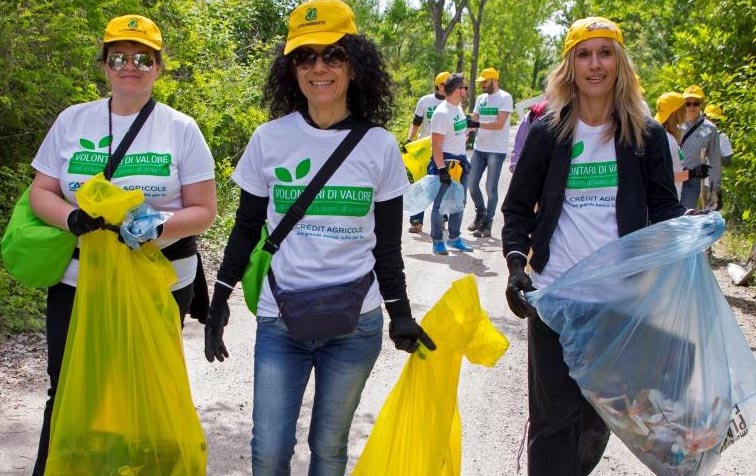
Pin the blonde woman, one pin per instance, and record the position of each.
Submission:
(596, 168)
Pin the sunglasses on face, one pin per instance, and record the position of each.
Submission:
(693, 104)
(142, 61)
(333, 56)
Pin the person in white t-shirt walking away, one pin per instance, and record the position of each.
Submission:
(448, 137)
(492, 110)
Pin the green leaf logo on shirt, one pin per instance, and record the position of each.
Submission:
(578, 149)
(303, 168)
(87, 144)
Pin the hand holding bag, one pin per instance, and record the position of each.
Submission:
(37, 254)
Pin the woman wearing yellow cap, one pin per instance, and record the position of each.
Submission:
(179, 178)
(326, 81)
(594, 169)
(671, 113)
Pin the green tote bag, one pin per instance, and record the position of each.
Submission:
(35, 253)
(256, 271)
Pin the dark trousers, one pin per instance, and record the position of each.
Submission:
(566, 436)
(60, 299)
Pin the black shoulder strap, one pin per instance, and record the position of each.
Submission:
(691, 130)
(297, 210)
(115, 159)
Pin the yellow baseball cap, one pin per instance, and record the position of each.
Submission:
(319, 22)
(591, 27)
(134, 28)
(667, 104)
(693, 92)
(441, 78)
(715, 112)
(488, 73)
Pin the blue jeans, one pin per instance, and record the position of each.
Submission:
(479, 162)
(691, 190)
(282, 368)
(455, 219)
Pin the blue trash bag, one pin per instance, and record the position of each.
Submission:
(453, 200)
(653, 345)
(140, 225)
(421, 194)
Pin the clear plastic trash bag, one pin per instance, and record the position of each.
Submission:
(653, 345)
(453, 200)
(421, 194)
(418, 431)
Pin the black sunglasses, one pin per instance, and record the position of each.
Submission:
(142, 61)
(694, 103)
(333, 56)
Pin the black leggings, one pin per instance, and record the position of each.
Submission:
(60, 299)
(566, 436)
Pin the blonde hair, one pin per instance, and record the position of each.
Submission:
(672, 124)
(629, 114)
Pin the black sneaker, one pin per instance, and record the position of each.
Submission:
(484, 230)
(475, 224)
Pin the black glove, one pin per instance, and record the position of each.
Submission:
(443, 175)
(403, 329)
(80, 223)
(519, 283)
(217, 318)
(472, 123)
(699, 171)
(403, 146)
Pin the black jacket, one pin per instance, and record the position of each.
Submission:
(645, 192)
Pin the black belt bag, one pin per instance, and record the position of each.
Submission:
(324, 312)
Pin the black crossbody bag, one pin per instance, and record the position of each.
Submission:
(327, 311)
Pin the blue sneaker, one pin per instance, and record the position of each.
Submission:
(459, 244)
(439, 248)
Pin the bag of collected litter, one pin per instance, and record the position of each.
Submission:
(417, 157)
(418, 431)
(421, 194)
(653, 345)
(123, 405)
(453, 200)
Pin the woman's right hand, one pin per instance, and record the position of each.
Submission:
(217, 318)
(519, 283)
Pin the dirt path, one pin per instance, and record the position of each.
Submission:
(493, 402)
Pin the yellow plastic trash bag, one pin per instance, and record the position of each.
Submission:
(123, 405)
(455, 170)
(417, 157)
(418, 432)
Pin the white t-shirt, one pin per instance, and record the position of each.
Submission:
(488, 107)
(451, 122)
(589, 215)
(677, 160)
(425, 107)
(168, 152)
(333, 243)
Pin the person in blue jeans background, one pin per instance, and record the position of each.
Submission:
(326, 80)
(421, 122)
(448, 136)
(492, 111)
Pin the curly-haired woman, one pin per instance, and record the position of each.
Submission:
(326, 80)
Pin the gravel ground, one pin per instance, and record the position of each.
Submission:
(493, 401)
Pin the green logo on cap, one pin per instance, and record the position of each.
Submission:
(311, 14)
(133, 24)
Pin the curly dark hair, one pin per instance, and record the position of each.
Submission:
(370, 95)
